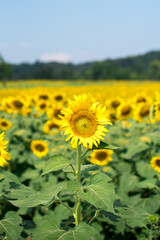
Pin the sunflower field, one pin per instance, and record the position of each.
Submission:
(80, 161)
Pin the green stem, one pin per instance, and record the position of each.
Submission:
(78, 179)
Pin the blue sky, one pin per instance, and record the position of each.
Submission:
(77, 30)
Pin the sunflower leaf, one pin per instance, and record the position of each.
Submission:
(100, 192)
(49, 230)
(10, 225)
(55, 163)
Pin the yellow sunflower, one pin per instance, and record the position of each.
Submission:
(155, 163)
(101, 157)
(142, 111)
(54, 113)
(4, 155)
(5, 124)
(42, 106)
(39, 148)
(84, 121)
(124, 111)
(51, 127)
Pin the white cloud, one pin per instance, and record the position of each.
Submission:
(56, 57)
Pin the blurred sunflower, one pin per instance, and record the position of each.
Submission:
(54, 113)
(42, 106)
(142, 98)
(155, 163)
(141, 111)
(84, 121)
(5, 124)
(51, 127)
(59, 98)
(4, 155)
(124, 111)
(101, 157)
(17, 104)
(39, 148)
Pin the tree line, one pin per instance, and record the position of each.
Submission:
(146, 66)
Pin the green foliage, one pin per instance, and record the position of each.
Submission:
(99, 192)
(55, 163)
(118, 201)
(49, 230)
(10, 225)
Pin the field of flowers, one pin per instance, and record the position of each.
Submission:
(80, 161)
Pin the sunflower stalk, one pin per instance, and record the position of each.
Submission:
(78, 179)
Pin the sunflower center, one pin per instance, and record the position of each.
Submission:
(53, 125)
(4, 124)
(84, 124)
(58, 98)
(17, 104)
(158, 162)
(101, 155)
(144, 111)
(44, 97)
(115, 103)
(141, 99)
(43, 105)
(126, 110)
(39, 147)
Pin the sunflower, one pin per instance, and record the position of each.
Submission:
(54, 113)
(142, 111)
(101, 157)
(4, 155)
(142, 98)
(39, 148)
(155, 163)
(42, 106)
(84, 121)
(124, 111)
(59, 98)
(51, 127)
(5, 124)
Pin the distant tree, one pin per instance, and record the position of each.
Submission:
(5, 70)
(154, 70)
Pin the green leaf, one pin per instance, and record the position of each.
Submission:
(55, 163)
(100, 192)
(27, 197)
(11, 226)
(148, 183)
(49, 230)
(134, 149)
(134, 217)
(144, 169)
(128, 182)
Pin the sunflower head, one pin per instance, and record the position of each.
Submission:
(5, 124)
(4, 155)
(51, 127)
(155, 163)
(124, 111)
(142, 111)
(84, 121)
(39, 148)
(101, 157)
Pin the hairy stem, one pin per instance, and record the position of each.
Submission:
(78, 179)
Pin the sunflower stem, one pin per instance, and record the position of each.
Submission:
(78, 179)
